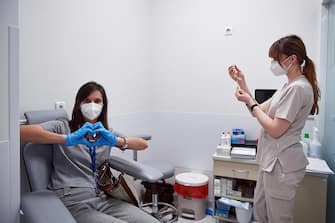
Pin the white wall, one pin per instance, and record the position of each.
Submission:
(193, 95)
(67, 43)
(163, 63)
(191, 52)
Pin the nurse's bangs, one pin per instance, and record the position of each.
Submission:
(274, 51)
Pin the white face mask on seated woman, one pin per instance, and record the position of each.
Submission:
(91, 110)
(277, 69)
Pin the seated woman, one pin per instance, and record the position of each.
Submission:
(73, 174)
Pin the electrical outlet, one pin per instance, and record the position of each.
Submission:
(228, 31)
(60, 105)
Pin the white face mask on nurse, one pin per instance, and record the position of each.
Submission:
(278, 69)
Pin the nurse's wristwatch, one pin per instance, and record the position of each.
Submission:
(124, 146)
(251, 107)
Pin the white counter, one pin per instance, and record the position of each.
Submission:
(315, 166)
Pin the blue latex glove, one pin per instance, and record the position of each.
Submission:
(106, 137)
(78, 137)
(97, 125)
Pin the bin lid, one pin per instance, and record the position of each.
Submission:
(191, 179)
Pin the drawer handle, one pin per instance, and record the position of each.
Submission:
(241, 171)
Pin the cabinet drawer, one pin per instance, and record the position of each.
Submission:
(235, 170)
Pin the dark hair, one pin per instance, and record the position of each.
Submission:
(84, 91)
(293, 45)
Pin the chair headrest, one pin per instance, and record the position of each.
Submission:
(36, 117)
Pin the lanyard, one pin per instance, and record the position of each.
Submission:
(93, 166)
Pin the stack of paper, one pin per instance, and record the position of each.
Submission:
(243, 152)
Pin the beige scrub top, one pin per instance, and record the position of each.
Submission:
(294, 103)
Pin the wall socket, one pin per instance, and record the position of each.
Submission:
(228, 31)
(60, 105)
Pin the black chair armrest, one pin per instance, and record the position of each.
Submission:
(44, 206)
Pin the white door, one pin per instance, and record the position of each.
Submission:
(9, 114)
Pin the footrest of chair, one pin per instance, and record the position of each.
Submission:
(166, 213)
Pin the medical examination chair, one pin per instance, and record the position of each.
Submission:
(165, 212)
(40, 205)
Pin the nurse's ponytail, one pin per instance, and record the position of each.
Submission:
(293, 45)
(309, 71)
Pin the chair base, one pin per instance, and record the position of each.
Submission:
(164, 212)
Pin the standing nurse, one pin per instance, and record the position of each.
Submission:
(282, 117)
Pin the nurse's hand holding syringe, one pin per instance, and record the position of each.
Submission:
(237, 75)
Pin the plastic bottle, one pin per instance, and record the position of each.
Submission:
(304, 147)
(305, 143)
(223, 149)
(226, 140)
(315, 145)
(222, 139)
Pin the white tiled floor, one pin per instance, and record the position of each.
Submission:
(207, 219)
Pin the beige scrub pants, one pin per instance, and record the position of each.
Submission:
(87, 207)
(275, 195)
